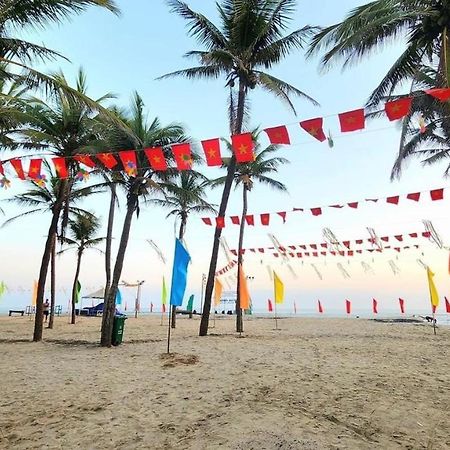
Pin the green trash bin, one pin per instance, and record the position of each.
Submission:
(118, 326)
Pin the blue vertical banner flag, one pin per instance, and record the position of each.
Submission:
(179, 274)
(118, 297)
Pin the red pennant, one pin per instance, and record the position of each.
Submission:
(399, 237)
(315, 128)
(235, 220)
(299, 255)
(323, 253)
(413, 235)
(17, 164)
(250, 219)
(220, 222)
(269, 305)
(437, 194)
(374, 306)
(447, 306)
(414, 196)
(2, 171)
(282, 214)
(353, 205)
(398, 108)
(183, 156)
(278, 135)
(359, 241)
(358, 251)
(426, 234)
(243, 147)
(107, 159)
(35, 168)
(374, 200)
(211, 148)
(156, 158)
(316, 211)
(393, 200)
(315, 254)
(346, 243)
(85, 159)
(348, 306)
(319, 305)
(265, 219)
(261, 250)
(60, 167)
(128, 159)
(313, 246)
(441, 94)
(324, 245)
(385, 238)
(401, 303)
(336, 206)
(352, 120)
(207, 221)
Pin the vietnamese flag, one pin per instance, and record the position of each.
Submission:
(348, 306)
(250, 219)
(220, 222)
(269, 305)
(265, 219)
(107, 159)
(401, 303)
(128, 159)
(398, 108)
(278, 135)
(414, 196)
(235, 220)
(85, 159)
(374, 306)
(437, 194)
(352, 120)
(447, 306)
(315, 128)
(211, 147)
(442, 94)
(35, 168)
(17, 164)
(319, 305)
(156, 158)
(60, 167)
(242, 145)
(183, 156)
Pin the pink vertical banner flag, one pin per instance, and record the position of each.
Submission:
(269, 305)
(319, 306)
(374, 306)
(401, 303)
(348, 306)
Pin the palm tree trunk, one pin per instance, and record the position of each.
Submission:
(38, 321)
(109, 232)
(74, 287)
(236, 129)
(109, 307)
(52, 284)
(239, 322)
(445, 57)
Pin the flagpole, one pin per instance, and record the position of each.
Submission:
(168, 332)
(276, 318)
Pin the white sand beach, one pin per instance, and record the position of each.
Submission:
(315, 384)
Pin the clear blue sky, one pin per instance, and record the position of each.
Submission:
(126, 53)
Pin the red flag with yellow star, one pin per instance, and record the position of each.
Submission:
(278, 135)
(352, 120)
(156, 158)
(60, 167)
(35, 168)
(442, 94)
(211, 147)
(183, 156)
(2, 171)
(17, 164)
(85, 159)
(128, 159)
(243, 147)
(398, 108)
(107, 159)
(315, 128)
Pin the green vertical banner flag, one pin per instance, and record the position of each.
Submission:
(2, 289)
(190, 305)
(164, 294)
(78, 292)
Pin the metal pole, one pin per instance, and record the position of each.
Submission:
(201, 296)
(169, 327)
(276, 318)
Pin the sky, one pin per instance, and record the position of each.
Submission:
(127, 53)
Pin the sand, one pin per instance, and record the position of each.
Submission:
(315, 384)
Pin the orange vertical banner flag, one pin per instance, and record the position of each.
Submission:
(243, 290)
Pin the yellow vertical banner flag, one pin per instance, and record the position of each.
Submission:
(278, 288)
(217, 292)
(243, 290)
(434, 297)
(34, 294)
(164, 292)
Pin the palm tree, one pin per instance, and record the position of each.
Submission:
(64, 126)
(424, 23)
(82, 231)
(141, 185)
(249, 40)
(246, 175)
(183, 196)
(41, 198)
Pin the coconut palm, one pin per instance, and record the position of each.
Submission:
(259, 170)
(250, 39)
(141, 185)
(82, 231)
(184, 195)
(63, 126)
(41, 198)
(424, 24)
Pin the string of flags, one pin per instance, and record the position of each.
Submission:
(265, 218)
(182, 153)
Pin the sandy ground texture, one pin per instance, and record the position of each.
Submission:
(314, 384)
